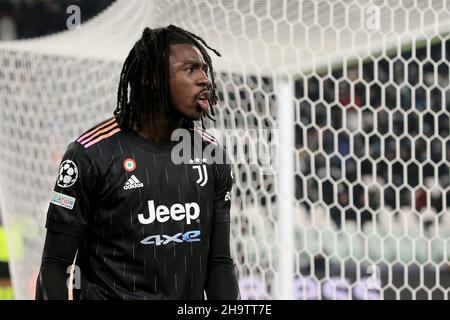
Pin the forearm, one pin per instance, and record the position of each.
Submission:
(52, 281)
(221, 283)
(58, 255)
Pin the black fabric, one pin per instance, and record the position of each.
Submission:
(59, 253)
(155, 230)
(221, 283)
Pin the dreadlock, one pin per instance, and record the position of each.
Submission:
(144, 80)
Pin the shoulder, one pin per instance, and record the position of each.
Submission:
(212, 146)
(97, 143)
(216, 152)
(100, 133)
(207, 138)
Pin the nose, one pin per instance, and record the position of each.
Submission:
(203, 79)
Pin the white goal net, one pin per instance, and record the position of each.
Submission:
(353, 97)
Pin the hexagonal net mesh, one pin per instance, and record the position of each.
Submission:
(368, 191)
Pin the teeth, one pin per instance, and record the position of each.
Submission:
(204, 96)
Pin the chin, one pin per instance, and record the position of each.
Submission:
(195, 116)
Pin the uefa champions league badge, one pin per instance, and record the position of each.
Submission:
(129, 165)
(68, 174)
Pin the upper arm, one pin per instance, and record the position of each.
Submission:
(72, 198)
(220, 237)
(224, 184)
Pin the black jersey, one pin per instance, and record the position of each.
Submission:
(145, 221)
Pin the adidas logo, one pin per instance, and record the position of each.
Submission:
(133, 183)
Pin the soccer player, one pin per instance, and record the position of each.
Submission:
(140, 225)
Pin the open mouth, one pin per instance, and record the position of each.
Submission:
(203, 100)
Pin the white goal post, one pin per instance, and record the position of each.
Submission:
(350, 97)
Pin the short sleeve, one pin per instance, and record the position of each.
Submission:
(74, 192)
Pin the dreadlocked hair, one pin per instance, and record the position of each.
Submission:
(144, 81)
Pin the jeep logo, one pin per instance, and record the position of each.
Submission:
(177, 212)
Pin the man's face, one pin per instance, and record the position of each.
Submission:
(189, 82)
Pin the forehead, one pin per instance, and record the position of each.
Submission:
(185, 53)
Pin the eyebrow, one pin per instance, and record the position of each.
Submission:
(196, 64)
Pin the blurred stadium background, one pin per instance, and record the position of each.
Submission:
(354, 203)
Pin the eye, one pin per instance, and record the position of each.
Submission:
(190, 70)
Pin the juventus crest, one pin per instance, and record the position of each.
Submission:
(201, 169)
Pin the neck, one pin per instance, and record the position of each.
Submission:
(159, 127)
